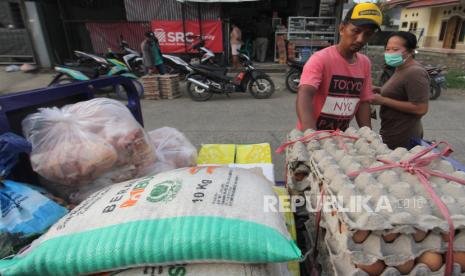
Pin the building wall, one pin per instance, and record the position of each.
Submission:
(430, 19)
(443, 14)
(421, 16)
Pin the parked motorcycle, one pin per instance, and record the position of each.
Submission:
(203, 83)
(130, 57)
(202, 57)
(293, 75)
(437, 79)
(203, 54)
(90, 66)
(177, 65)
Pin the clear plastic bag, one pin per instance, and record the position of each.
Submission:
(80, 143)
(173, 150)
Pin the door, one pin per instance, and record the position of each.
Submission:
(452, 31)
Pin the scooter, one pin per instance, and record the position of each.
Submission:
(131, 58)
(176, 65)
(293, 75)
(437, 79)
(203, 57)
(90, 66)
(203, 83)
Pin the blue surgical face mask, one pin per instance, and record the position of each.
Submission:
(394, 59)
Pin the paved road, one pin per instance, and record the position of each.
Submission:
(243, 119)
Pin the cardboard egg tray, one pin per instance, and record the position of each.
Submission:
(169, 86)
(344, 266)
(328, 165)
(151, 87)
(341, 253)
(410, 206)
(298, 159)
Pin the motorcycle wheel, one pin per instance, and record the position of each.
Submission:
(434, 90)
(261, 87)
(121, 91)
(62, 81)
(291, 83)
(197, 93)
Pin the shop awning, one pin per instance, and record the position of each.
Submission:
(217, 1)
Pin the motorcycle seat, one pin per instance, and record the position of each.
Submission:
(88, 71)
(295, 63)
(212, 74)
(220, 70)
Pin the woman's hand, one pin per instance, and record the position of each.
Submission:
(376, 90)
(377, 99)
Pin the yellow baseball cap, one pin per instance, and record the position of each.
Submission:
(365, 14)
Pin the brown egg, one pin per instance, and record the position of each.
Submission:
(445, 237)
(360, 236)
(373, 269)
(432, 259)
(419, 235)
(459, 257)
(406, 267)
(390, 237)
(300, 176)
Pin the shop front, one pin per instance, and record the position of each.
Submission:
(294, 26)
(303, 25)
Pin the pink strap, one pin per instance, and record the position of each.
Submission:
(416, 166)
(307, 138)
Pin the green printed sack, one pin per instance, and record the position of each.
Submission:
(190, 215)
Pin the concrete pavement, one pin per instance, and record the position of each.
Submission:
(241, 119)
(19, 81)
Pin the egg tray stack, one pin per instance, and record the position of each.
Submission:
(412, 237)
(169, 86)
(151, 87)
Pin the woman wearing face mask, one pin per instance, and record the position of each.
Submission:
(404, 97)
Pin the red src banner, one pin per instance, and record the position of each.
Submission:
(171, 36)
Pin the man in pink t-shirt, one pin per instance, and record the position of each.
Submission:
(335, 84)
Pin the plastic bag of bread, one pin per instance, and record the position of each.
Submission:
(173, 149)
(82, 142)
(113, 122)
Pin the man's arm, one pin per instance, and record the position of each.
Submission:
(363, 115)
(304, 106)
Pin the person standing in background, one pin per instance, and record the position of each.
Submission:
(404, 97)
(263, 32)
(151, 54)
(236, 43)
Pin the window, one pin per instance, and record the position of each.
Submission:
(404, 25)
(442, 33)
(413, 26)
(462, 32)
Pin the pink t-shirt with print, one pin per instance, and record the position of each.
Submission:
(341, 87)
